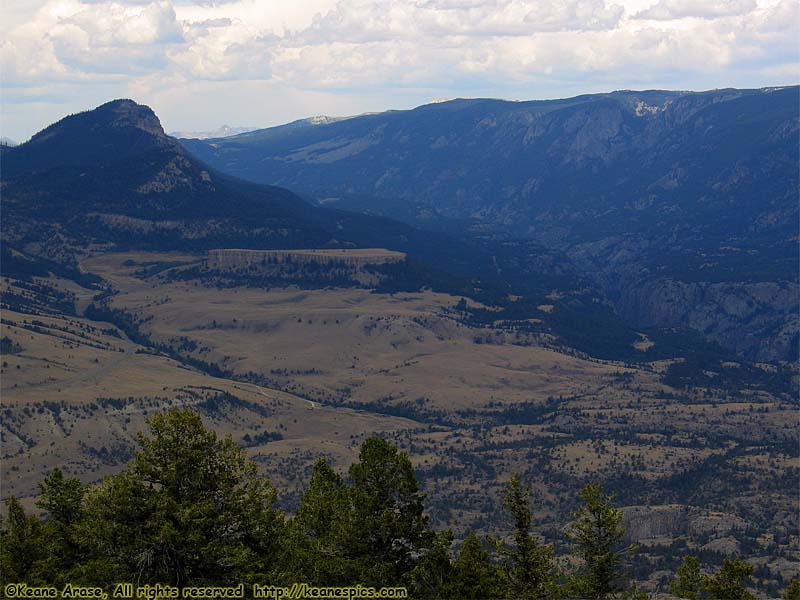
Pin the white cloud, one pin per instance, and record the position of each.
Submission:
(370, 21)
(667, 10)
(369, 53)
(116, 38)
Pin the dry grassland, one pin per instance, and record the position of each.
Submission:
(320, 369)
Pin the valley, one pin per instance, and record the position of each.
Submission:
(297, 371)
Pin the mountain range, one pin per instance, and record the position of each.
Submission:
(603, 231)
(227, 131)
(219, 132)
(682, 207)
(113, 175)
(111, 178)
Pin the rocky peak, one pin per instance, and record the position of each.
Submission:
(111, 133)
(127, 113)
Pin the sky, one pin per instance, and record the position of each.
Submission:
(203, 63)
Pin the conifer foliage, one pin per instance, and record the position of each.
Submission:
(191, 510)
(729, 583)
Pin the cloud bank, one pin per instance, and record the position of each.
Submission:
(259, 62)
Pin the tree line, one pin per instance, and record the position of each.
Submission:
(191, 510)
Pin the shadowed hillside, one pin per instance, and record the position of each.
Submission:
(110, 178)
(682, 206)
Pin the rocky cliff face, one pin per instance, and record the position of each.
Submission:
(320, 265)
(234, 259)
(646, 524)
(758, 320)
(683, 206)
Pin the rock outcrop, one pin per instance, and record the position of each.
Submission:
(319, 264)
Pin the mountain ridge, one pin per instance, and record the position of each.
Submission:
(638, 188)
(138, 189)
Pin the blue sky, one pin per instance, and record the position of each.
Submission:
(201, 64)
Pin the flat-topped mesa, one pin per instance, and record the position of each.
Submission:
(320, 265)
(236, 259)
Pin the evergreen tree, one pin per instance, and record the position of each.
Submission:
(689, 581)
(432, 575)
(528, 566)
(190, 510)
(729, 582)
(62, 500)
(21, 545)
(474, 576)
(318, 531)
(389, 529)
(726, 584)
(597, 534)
